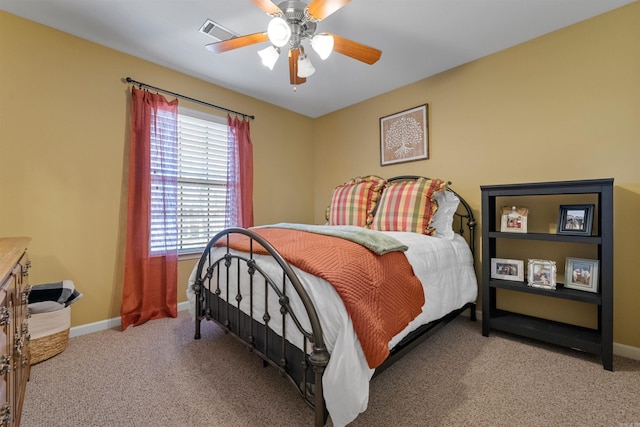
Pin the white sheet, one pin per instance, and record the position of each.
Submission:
(445, 268)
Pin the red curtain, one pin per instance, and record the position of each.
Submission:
(151, 270)
(239, 174)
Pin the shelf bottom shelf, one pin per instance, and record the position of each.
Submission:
(562, 334)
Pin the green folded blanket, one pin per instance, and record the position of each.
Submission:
(375, 241)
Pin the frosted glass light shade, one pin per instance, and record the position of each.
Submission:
(269, 56)
(278, 31)
(322, 44)
(305, 68)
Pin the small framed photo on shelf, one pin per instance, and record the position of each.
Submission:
(581, 274)
(514, 219)
(575, 219)
(507, 269)
(542, 274)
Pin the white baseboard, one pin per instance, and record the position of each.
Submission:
(103, 325)
(626, 351)
(618, 349)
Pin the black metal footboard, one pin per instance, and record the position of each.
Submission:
(234, 290)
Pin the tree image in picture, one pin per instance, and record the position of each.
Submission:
(403, 137)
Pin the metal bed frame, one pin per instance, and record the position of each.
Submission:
(304, 369)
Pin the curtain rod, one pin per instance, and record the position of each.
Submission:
(177, 95)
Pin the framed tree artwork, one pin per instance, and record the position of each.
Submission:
(404, 136)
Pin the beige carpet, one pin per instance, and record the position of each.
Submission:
(158, 375)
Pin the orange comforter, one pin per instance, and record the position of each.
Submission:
(380, 292)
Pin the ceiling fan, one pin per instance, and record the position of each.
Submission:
(293, 22)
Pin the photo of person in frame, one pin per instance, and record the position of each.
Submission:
(581, 274)
(541, 275)
(575, 219)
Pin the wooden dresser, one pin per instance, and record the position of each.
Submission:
(14, 330)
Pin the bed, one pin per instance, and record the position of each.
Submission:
(329, 327)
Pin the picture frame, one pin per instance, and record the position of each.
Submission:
(541, 274)
(575, 219)
(404, 136)
(514, 219)
(582, 274)
(507, 269)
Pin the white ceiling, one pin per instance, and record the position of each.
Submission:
(418, 38)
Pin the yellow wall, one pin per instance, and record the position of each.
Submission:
(563, 106)
(63, 145)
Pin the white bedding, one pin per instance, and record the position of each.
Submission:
(445, 268)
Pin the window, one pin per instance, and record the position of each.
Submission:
(202, 179)
(202, 182)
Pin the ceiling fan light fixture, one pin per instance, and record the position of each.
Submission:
(293, 22)
(279, 32)
(323, 44)
(269, 56)
(305, 68)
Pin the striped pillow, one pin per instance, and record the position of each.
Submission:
(408, 206)
(353, 202)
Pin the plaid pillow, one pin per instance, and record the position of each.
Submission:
(354, 202)
(408, 206)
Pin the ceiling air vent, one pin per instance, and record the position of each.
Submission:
(217, 31)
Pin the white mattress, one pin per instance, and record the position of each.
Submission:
(445, 268)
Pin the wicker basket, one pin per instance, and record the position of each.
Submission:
(48, 346)
(49, 334)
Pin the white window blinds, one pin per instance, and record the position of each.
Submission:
(164, 166)
(202, 179)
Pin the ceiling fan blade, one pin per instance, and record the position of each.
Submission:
(320, 9)
(237, 42)
(268, 6)
(355, 50)
(293, 68)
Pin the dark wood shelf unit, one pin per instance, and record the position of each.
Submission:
(596, 341)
